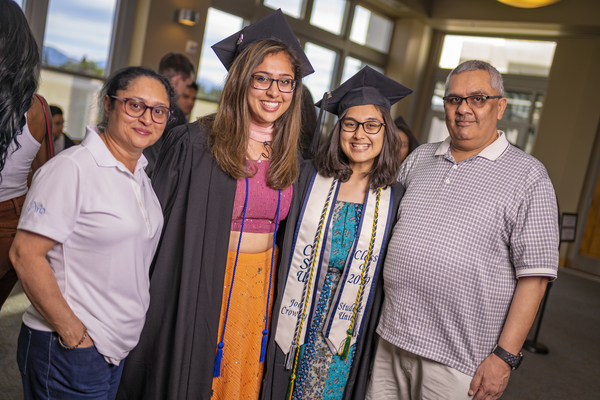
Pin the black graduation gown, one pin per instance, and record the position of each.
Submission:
(276, 379)
(176, 352)
(151, 152)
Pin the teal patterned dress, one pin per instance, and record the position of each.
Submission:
(322, 374)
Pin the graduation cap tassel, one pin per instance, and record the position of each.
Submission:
(217, 369)
(289, 361)
(263, 346)
(346, 348)
(314, 146)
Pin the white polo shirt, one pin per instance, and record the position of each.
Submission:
(107, 222)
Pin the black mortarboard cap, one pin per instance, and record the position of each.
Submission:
(272, 27)
(400, 121)
(367, 86)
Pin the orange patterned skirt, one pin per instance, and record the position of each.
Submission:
(241, 371)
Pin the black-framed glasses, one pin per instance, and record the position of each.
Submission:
(370, 127)
(476, 100)
(136, 108)
(261, 82)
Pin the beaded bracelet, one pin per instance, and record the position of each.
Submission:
(77, 345)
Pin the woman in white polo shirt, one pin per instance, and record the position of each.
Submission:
(89, 229)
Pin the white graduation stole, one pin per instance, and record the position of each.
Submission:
(305, 278)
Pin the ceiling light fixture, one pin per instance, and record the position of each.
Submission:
(528, 3)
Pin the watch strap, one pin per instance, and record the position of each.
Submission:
(513, 360)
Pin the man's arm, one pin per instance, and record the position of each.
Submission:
(492, 375)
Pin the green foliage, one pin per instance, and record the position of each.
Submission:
(84, 67)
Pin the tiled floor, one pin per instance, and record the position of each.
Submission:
(10, 324)
(570, 329)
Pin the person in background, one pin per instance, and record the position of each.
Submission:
(61, 140)
(25, 133)
(409, 142)
(469, 259)
(188, 99)
(225, 183)
(85, 240)
(179, 70)
(325, 320)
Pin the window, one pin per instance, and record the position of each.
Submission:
(77, 96)
(319, 82)
(19, 3)
(371, 29)
(329, 15)
(78, 35)
(509, 56)
(353, 65)
(293, 8)
(211, 73)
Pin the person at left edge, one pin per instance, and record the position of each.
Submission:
(225, 183)
(89, 229)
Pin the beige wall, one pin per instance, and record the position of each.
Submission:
(156, 32)
(407, 58)
(569, 123)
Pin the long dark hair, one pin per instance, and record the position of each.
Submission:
(332, 162)
(120, 80)
(229, 128)
(19, 70)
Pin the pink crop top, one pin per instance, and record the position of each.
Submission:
(262, 203)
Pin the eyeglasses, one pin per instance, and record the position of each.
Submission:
(136, 108)
(477, 101)
(285, 85)
(370, 127)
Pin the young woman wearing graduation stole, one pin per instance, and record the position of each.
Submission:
(325, 318)
(225, 184)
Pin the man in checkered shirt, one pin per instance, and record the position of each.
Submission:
(474, 247)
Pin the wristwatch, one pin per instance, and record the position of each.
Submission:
(510, 359)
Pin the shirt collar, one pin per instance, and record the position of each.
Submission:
(491, 152)
(103, 157)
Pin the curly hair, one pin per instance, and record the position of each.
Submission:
(229, 128)
(332, 162)
(19, 70)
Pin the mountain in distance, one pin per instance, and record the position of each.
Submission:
(53, 57)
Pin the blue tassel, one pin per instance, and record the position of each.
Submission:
(217, 370)
(263, 346)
